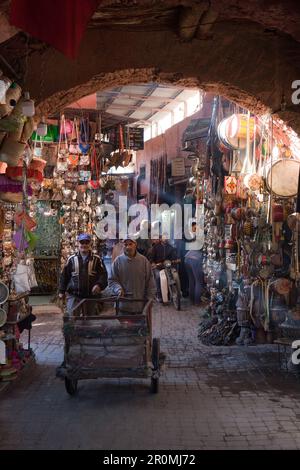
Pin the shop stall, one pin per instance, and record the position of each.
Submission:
(21, 174)
(251, 195)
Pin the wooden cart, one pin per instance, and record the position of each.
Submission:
(107, 346)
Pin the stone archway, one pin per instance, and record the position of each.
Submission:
(241, 60)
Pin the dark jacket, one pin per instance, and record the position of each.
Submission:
(92, 272)
(144, 247)
(162, 251)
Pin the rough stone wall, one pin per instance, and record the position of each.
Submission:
(240, 60)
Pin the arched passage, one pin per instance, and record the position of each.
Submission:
(241, 61)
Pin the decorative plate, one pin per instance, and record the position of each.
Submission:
(3, 317)
(4, 292)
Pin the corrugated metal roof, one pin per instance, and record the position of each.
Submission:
(197, 129)
(138, 105)
(143, 102)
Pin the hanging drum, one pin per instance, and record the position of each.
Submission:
(232, 131)
(3, 317)
(236, 130)
(222, 135)
(4, 293)
(282, 177)
(237, 127)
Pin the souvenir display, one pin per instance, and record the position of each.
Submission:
(251, 219)
(54, 179)
(20, 180)
(17, 278)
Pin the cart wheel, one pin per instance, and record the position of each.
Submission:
(155, 361)
(154, 385)
(71, 386)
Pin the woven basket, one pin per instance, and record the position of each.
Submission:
(11, 197)
(11, 151)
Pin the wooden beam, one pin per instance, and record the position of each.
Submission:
(143, 97)
(129, 107)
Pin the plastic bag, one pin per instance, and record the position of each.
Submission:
(21, 279)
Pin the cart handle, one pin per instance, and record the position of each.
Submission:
(106, 299)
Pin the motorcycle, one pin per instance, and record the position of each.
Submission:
(170, 283)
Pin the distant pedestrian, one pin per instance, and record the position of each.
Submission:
(194, 267)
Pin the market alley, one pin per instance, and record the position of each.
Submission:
(210, 397)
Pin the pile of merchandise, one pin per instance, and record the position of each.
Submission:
(251, 250)
(21, 175)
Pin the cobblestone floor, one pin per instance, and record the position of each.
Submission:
(210, 398)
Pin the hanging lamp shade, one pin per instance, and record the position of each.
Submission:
(28, 108)
(42, 129)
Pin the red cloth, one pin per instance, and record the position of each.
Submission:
(60, 23)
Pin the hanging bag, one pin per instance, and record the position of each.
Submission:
(72, 176)
(62, 163)
(94, 181)
(84, 160)
(38, 149)
(63, 147)
(84, 175)
(84, 146)
(74, 144)
(21, 279)
(73, 157)
(49, 154)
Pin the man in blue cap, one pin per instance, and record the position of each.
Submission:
(84, 275)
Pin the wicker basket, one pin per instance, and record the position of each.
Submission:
(11, 151)
(11, 197)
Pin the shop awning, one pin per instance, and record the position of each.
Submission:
(197, 129)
